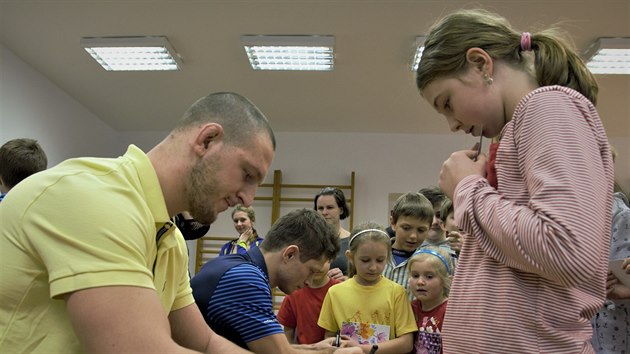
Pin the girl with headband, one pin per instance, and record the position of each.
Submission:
(533, 268)
(430, 274)
(368, 308)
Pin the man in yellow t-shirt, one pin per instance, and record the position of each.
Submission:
(89, 258)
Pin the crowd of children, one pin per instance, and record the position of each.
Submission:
(396, 291)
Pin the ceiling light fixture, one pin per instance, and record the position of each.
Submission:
(419, 49)
(307, 53)
(609, 56)
(132, 53)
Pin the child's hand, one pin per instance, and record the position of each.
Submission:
(336, 273)
(346, 341)
(244, 237)
(458, 166)
(330, 342)
(626, 265)
(325, 343)
(455, 240)
(615, 289)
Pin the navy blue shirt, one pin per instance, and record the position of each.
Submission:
(234, 297)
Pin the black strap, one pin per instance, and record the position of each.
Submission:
(164, 229)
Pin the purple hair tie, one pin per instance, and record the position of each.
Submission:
(526, 41)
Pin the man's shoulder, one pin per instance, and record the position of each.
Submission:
(245, 276)
(243, 270)
(222, 264)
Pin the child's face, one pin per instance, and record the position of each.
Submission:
(436, 232)
(424, 282)
(410, 233)
(369, 261)
(242, 222)
(468, 103)
(449, 224)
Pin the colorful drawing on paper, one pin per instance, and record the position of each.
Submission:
(365, 333)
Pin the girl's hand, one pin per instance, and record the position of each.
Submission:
(346, 342)
(626, 265)
(615, 289)
(455, 240)
(458, 166)
(245, 236)
(336, 273)
(325, 343)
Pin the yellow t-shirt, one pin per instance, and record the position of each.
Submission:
(84, 223)
(368, 311)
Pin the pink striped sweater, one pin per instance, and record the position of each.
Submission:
(532, 273)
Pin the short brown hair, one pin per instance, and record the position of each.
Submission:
(20, 158)
(306, 229)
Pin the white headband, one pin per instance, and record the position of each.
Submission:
(364, 231)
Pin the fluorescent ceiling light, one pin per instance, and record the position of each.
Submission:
(609, 56)
(132, 53)
(309, 53)
(419, 49)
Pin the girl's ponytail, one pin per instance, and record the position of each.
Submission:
(556, 63)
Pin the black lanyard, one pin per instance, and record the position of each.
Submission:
(164, 229)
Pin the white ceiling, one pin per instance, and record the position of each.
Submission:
(370, 90)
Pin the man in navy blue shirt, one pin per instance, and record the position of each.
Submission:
(19, 158)
(233, 292)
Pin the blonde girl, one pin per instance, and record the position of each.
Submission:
(430, 274)
(244, 219)
(368, 308)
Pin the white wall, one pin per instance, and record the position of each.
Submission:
(33, 107)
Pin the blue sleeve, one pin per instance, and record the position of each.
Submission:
(242, 301)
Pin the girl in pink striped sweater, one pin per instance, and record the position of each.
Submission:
(532, 269)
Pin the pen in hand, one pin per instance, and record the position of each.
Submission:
(479, 147)
(374, 349)
(338, 339)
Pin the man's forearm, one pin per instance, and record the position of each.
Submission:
(310, 349)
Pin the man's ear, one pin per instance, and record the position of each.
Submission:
(290, 253)
(208, 135)
(479, 60)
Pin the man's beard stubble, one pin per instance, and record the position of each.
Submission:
(201, 188)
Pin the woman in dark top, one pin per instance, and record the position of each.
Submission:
(331, 203)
